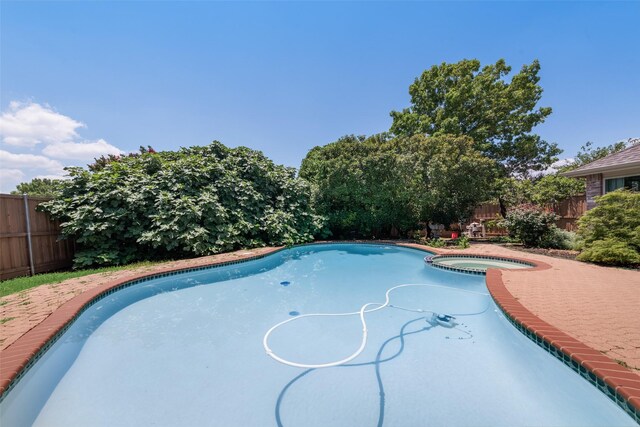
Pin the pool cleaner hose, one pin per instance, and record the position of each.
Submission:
(364, 309)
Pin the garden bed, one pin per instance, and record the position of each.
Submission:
(556, 253)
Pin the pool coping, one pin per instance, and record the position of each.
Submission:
(618, 383)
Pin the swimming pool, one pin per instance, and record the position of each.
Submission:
(189, 349)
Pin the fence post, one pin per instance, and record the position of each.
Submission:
(26, 217)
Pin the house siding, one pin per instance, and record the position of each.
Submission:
(594, 189)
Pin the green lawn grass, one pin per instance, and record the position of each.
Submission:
(18, 284)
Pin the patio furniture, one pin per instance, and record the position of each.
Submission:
(474, 229)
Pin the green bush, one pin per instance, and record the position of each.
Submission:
(416, 236)
(531, 224)
(611, 230)
(436, 243)
(504, 239)
(463, 242)
(559, 239)
(191, 202)
(610, 251)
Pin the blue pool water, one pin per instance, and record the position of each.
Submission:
(187, 350)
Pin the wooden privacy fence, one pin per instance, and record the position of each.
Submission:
(29, 239)
(569, 210)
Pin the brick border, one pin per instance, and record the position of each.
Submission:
(618, 383)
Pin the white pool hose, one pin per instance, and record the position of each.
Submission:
(361, 312)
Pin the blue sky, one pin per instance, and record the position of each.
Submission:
(77, 78)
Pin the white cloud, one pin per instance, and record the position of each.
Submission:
(26, 125)
(9, 178)
(29, 124)
(562, 162)
(30, 161)
(80, 150)
(11, 174)
(554, 167)
(17, 168)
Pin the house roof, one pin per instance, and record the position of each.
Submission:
(625, 159)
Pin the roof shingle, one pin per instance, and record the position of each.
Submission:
(627, 157)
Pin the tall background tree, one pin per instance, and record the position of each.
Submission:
(499, 115)
(43, 187)
(378, 186)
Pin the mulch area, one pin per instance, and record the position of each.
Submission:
(555, 253)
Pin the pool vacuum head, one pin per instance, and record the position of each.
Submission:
(442, 320)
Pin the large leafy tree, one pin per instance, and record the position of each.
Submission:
(195, 201)
(360, 186)
(369, 186)
(499, 115)
(456, 177)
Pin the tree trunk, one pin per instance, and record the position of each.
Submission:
(503, 207)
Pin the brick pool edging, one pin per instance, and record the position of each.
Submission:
(618, 383)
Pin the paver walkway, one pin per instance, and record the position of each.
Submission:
(599, 306)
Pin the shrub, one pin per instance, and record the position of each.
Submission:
(436, 243)
(416, 236)
(531, 224)
(610, 251)
(611, 230)
(616, 215)
(463, 242)
(559, 239)
(191, 202)
(504, 239)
